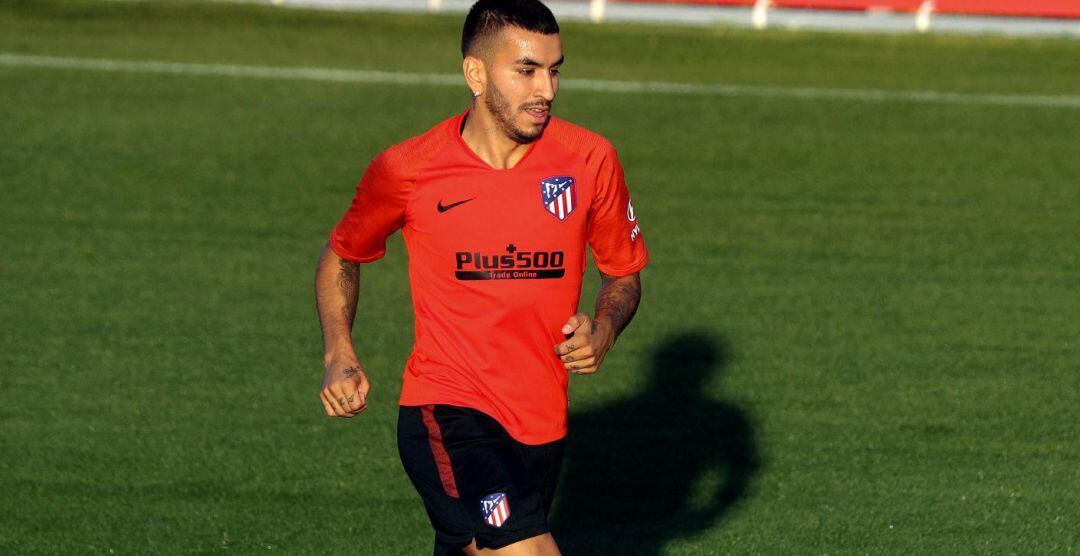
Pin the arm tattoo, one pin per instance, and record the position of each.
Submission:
(618, 299)
(350, 372)
(348, 280)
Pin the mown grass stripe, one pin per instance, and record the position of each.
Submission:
(594, 85)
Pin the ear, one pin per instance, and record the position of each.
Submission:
(475, 72)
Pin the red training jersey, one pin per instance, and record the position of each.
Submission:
(496, 258)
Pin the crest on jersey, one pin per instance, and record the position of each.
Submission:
(495, 508)
(559, 196)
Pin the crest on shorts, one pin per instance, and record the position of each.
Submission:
(559, 196)
(495, 508)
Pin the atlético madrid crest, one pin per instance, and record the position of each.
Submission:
(559, 196)
(495, 508)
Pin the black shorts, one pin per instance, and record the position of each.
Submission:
(476, 481)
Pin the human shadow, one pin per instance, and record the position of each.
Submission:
(664, 465)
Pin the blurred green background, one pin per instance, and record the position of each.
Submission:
(858, 332)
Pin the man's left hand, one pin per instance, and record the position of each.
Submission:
(589, 341)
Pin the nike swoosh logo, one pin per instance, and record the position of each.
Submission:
(444, 208)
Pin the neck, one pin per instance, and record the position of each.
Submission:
(484, 136)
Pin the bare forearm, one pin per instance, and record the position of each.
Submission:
(337, 287)
(616, 302)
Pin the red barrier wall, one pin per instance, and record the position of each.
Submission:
(1031, 8)
(894, 5)
(1020, 8)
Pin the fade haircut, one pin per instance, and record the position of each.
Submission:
(487, 18)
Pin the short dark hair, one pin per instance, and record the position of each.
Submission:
(488, 17)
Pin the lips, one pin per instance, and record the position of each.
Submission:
(539, 115)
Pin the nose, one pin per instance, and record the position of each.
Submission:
(546, 86)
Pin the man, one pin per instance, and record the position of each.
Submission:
(496, 205)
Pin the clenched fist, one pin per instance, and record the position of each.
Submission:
(345, 388)
(584, 350)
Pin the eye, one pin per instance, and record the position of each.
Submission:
(526, 71)
(555, 71)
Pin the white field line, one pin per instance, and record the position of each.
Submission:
(595, 85)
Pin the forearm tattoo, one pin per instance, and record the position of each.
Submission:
(617, 300)
(348, 281)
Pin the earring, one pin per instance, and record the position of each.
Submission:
(476, 93)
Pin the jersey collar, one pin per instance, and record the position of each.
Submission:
(456, 129)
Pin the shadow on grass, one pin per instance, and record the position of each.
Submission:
(661, 466)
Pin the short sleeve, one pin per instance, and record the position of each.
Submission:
(614, 233)
(376, 212)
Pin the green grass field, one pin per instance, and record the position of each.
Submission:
(858, 333)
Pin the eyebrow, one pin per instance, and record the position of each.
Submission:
(526, 61)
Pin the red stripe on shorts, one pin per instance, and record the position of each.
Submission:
(442, 457)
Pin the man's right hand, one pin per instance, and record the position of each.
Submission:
(345, 388)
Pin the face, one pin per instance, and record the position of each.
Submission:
(522, 81)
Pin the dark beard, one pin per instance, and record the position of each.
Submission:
(500, 107)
